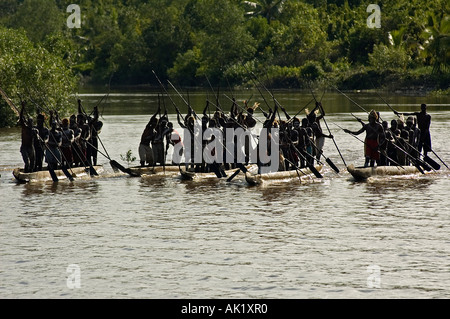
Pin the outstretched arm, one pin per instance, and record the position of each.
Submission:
(269, 123)
(355, 133)
(406, 114)
(158, 111)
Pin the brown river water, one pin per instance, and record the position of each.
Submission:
(116, 236)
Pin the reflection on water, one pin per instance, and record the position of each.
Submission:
(398, 185)
(145, 101)
(64, 187)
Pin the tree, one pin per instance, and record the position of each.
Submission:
(30, 72)
(219, 40)
(268, 9)
(39, 18)
(437, 44)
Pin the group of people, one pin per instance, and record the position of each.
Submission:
(300, 142)
(156, 139)
(71, 142)
(401, 143)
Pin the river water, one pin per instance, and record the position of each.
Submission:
(122, 237)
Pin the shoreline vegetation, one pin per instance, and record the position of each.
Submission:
(288, 44)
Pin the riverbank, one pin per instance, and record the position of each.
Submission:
(420, 82)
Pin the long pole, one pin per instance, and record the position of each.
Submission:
(395, 112)
(329, 132)
(370, 146)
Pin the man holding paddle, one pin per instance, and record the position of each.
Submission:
(28, 136)
(423, 123)
(374, 133)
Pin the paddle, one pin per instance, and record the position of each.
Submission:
(92, 170)
(393, 161)
(50, 170)
(310, 165)
(427, 159)
(189, 106)
(16, 111)
(329, 132)
(114, 164)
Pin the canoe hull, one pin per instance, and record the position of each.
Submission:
(363, 173)
(189, 175)
(302, 174)
(44, 175)
(154, 170)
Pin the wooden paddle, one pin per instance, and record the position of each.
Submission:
(427, 159)
(47, 109)
(393, 161)
(329, 132)
(16, 111)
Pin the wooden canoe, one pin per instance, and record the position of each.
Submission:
(363, 173)
(191, 175)
(154, 170)
(44, 175)
(303, 174)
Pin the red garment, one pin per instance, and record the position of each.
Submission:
(371, 149)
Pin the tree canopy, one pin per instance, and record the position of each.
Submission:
(287, 42)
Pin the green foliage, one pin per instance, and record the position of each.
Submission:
(268, 9)
(38, 18)
(128, 157)
(32, 73)
(312, 71)
(437, 35)
(288, 41)
(391, 58)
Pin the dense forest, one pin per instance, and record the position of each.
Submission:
(287, 43)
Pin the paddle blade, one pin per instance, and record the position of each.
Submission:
(332, 165)
(68, 175)
(218, 173)
(315, 171)
(123, 169)
(53, 175)
(433, 164)
(424, 165)
(115, 169)
(242, 167)
(234, 175)
(419, 168)
(92, 171)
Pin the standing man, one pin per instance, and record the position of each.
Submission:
(39, 143)
(423, 123)
(96, 127)
(66, 144)
(147, 137)
(314, 123)
(28, 137)
(374, 134)
(52, 153)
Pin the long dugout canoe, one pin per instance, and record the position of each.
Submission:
(363, 173)
(154, 170)
(44, 175)
(302, 173)
(191, 175)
